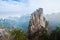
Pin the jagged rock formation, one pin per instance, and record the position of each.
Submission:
(4, 35)
(37, 25)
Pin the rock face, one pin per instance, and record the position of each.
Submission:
(4, 35)
(37, 24)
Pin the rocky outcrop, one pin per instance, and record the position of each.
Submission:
(37, 25)
(4, 35)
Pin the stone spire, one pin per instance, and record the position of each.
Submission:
(37, 21)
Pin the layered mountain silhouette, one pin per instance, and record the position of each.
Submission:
(23, 21)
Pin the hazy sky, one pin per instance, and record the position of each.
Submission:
(23, 7)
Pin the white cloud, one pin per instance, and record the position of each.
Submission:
(17, 8)
(49, 6)
(27, 7)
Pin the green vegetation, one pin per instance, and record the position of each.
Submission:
(44, 35)
(19, 34)
(55, 34)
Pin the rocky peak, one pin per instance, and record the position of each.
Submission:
(38, 12)
(37, 22)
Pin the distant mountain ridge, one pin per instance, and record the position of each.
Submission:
(15, 22)
(54, 20)
(23, 21)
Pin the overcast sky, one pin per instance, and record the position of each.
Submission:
(25, 7)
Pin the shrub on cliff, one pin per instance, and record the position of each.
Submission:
(55, 35)
(18, 34)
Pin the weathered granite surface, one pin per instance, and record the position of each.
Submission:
(37, 24)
